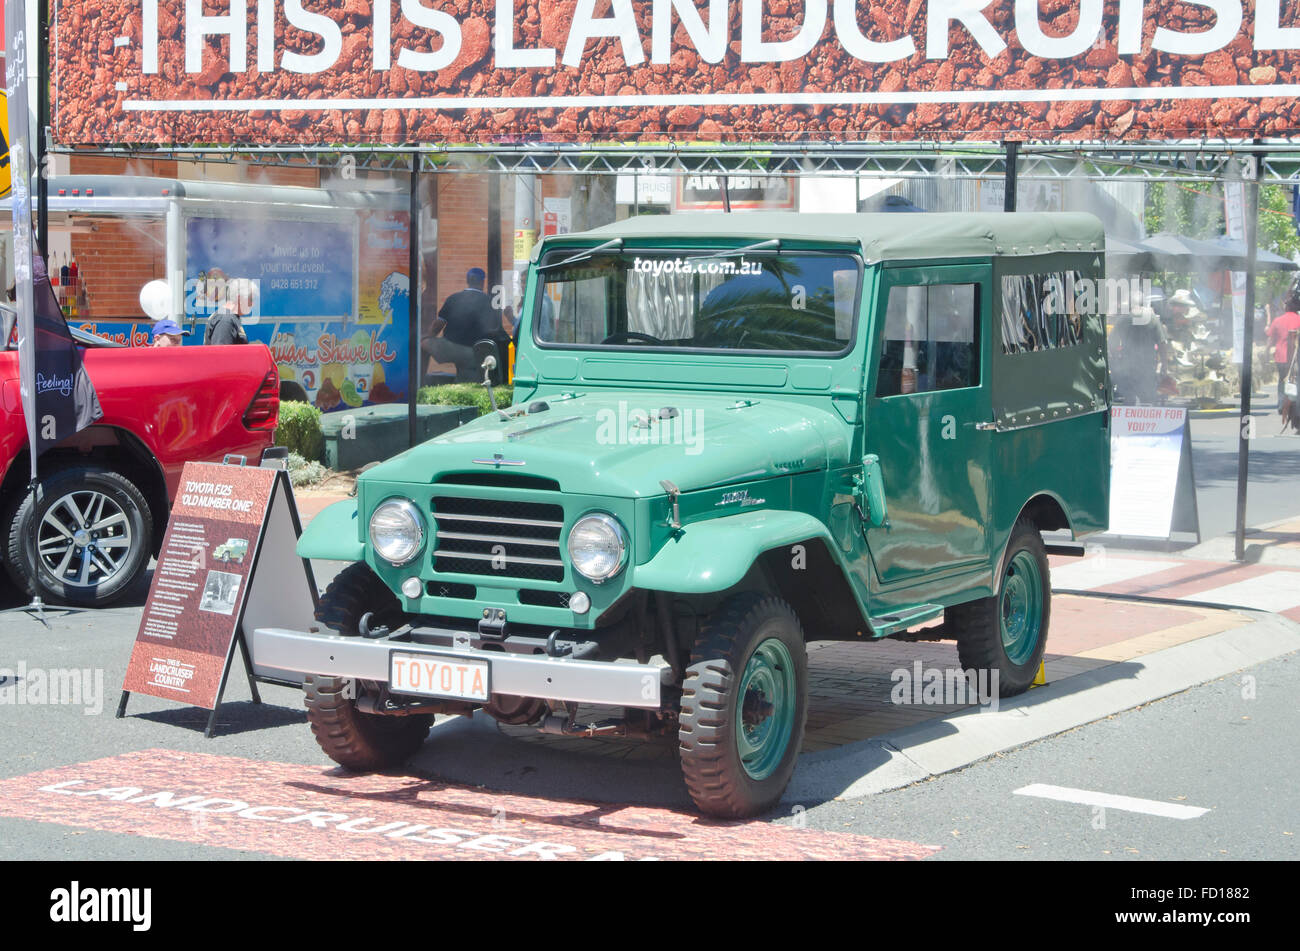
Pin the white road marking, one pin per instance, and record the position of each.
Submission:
(1275, 591)
(1086, 797)
(1095, 572)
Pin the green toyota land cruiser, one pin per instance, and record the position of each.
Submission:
(731, 435)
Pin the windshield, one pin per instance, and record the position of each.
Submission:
(703, 299)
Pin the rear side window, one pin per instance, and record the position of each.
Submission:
(1042, 311)
(931, 339)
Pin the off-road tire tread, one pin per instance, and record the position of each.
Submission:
(976, 624)
(358, 741)
(714, 777)
(355, 591)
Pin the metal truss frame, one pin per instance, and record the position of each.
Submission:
(1165, 161)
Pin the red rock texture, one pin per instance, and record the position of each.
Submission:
(89, 109)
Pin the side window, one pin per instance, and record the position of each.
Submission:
(1041, 311)
(931, 339)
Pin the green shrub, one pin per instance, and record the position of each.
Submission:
(464, 394)
(299, 430)
(305, 472)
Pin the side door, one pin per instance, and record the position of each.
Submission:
(928, 413)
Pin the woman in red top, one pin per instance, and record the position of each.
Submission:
(1277, 334)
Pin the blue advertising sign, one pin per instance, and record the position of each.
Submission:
(337, 331)
(302, 268)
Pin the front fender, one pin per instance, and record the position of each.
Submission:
(333, 534)
(716, 554)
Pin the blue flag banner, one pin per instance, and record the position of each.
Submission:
(58, 397)
(64, 399)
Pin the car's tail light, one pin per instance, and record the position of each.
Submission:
(264, 412)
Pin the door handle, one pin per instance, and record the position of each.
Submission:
(986, 427)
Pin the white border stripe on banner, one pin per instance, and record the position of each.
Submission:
(1151, 807)
(723, 99)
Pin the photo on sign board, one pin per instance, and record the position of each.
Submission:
(232, 549)
(219, 592)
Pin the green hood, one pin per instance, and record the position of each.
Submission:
(587, 443)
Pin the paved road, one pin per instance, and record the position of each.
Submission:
(1274, 472)
(1212, 747)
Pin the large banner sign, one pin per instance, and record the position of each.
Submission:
(432, 71)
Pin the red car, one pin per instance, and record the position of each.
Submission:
(105, 494)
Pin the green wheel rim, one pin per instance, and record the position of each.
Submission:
(1022, 608)
(765, 705)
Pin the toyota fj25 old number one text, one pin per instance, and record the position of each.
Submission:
(731, 435)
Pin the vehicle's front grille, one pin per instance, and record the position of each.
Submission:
(498, 538)
(451, 589)
(507, 480)
(547, 599)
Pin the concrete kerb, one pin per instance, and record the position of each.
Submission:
(939, 746)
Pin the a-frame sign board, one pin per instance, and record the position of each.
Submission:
(227, 565)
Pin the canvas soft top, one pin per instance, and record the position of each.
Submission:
(881, 236)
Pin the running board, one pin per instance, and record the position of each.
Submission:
(883, 625)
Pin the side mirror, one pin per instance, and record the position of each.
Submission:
(873, 490)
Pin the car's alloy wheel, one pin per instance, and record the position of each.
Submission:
(85, 540)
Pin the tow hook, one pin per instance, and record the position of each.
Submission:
(365, 630)
(567, 725)
(564, 726)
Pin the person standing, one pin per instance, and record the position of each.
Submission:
(1277, 332)
(1141, 350)
(230, 300)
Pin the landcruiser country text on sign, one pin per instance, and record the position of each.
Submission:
(430, 71)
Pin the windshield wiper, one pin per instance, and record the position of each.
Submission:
(614, 245)
(773, 244)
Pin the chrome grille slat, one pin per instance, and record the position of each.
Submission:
(505, 539)
(537, 523)
(520, 559)
(498, 538)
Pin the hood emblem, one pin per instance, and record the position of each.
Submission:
(498, 460)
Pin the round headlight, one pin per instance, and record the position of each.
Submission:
(598, 547)
(397, 531)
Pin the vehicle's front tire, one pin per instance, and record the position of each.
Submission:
(743, 708)
(86, 540)
(362, 742)
(1006, 635)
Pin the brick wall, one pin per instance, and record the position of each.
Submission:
(116, 261)
(462, 229)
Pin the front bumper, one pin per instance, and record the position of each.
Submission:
(601, 683)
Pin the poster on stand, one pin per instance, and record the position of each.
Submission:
(227, 560)
(1152, 488)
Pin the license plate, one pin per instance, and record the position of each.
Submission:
(437, 675)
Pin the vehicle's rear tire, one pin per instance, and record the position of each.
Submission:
(743, 708)
(1006, 635)
(86, 540)
(362, 742)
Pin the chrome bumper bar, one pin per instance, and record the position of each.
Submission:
(602, 683)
